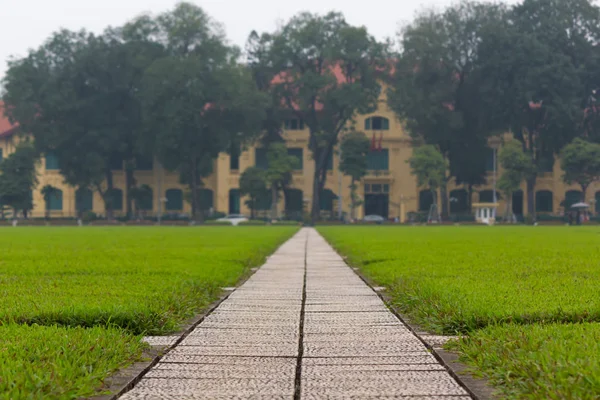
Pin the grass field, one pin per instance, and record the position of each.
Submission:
(516, 285)
(117, 282)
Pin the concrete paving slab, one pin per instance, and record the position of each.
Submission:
(248, 348)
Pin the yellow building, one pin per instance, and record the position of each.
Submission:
(388, 190)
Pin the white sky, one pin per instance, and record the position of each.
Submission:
(27, 23)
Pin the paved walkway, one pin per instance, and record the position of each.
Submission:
(304, 326)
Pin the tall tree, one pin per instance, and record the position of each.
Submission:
(354, 150)
(279, 173)
(517, 167)
(429, 166)
(327, 72)
(18, 178)
(197, 99)
(537, 79)
(76, 95)
(580, 161)
(252, 184)
(436, 85)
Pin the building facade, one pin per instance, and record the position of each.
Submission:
(388, 190)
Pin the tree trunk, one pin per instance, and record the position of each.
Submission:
(530, 198)
(352, 200)
(583, 192)
(129, 184)
(252, 211)
(444, 198)
(197, 212)
(273, 202)
(470, 198)
(316, 204)
(107, 196)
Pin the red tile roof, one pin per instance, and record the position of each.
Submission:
(6, 128)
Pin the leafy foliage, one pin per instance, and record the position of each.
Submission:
(253, 184)
(354, 150)
(279, 173)
(428, 165)
(326, 73)
(580, 160)
(18, 178)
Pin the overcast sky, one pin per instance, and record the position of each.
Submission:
(27, 23)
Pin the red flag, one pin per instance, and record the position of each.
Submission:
(380, 141)
(373, 142)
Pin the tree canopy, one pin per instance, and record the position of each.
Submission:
(580, 161)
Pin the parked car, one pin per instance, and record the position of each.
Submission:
(374, 218)
(234, 219)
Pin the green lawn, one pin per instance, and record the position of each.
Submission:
(504, 285)
(122, 281)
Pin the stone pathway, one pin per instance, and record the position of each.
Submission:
(304, 326)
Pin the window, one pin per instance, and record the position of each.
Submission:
(376, 188)
(367, 188)
(572, 197)
(378, 160)
(543, 201)
(0, 154)
(51, 161)
(174, 200)
(294, 124)
(206, 199)
(234, 201)
(146, 199)
(84, 199)
(425, 200)
(261, 158)
(386, 188)
(597, 197)
(143, 163)
(298, 154)
(326, 200)
(293, 201)
(377, 124)
(458, 201)
(55, 200)
(234, 158)
(117, 199)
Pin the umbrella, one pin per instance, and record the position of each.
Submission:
(580, 205)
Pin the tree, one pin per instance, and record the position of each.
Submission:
(48, 192)
(436, 86)
(326, 72)
(252, 184)
(77, 96)
(429, 166)
(197, 99)
(354, 150)
(279, 172)
(580, 161)
(536, 79)
(516, 166)
(18, 178)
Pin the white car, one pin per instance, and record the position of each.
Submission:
(373, 218)
(234, 219)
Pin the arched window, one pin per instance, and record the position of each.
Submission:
(234, 201)
(117, 199)
(84, 199)
(293, 200)
(144, 202)
(459, 201)
(572, 197)
(326, 200)
(425, 200)
(55, 200)
(174, 200)
(206, 199)
(544, 201)
(377, 124)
